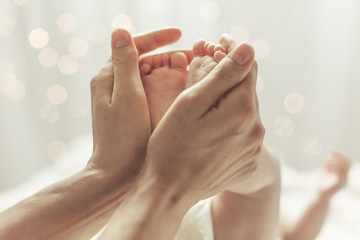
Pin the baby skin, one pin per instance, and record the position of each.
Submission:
(333, 178)
(164, 78)
(333, 175)
(164, 83)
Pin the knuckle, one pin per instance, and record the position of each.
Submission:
(105, 73)
(258, 151)
(94, 82)
(255, 167)
(188, 97)
(186, 101)
(258, 133)
(260, 130)
(255, 66)
(246, 112)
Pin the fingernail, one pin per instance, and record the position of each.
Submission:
(241, 54)
(121, 41)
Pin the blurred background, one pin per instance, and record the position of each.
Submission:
(308, 54)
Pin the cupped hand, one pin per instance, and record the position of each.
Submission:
(121, 121)
(203, 145)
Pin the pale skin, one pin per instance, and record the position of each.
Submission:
(256, 200)
(79, 215)
(79, 206)
(172, 180)
(332, 179)
(164, 78)
(246, 207)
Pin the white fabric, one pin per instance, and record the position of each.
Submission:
(197, 223)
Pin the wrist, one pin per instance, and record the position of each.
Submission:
(149, 206)
(114, 175)
(111, 187)
(62, 207)
(173, 193)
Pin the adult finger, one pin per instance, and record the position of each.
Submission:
(125, 63)
(225, 76)
(188, 53)
(153, 40)
(102, 85)
(242, 99)
(150, 41)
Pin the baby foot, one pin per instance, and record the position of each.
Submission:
(206, 56)
(163, 78)
(333, 174)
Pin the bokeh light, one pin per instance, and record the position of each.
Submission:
(66, 23)
(7, 26)
(78, 47)
(57, 94)
(262, 48)
(210, 11)
(49, 113)
(17, 93)
(260, 84)
(20, 2)
(313, 145)
(7, 82)
(68, 64)
(240, 33)
(294, 103)
(48, 57)
(123, 21)
(38, 38)
(97, 33)
(284, 126)
(79, 108)
(57, 149)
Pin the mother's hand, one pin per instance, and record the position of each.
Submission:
(198, 149)
(195, 152)
(121, 121)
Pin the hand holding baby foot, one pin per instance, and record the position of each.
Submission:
(334, 174)
(201, 146)
(234, 211)
(164, 76)
(193, 112)
(121, 118)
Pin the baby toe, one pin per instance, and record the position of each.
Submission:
(179, 61)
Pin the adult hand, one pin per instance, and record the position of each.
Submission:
(121, 122)
(79, 206)
(201, 149)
